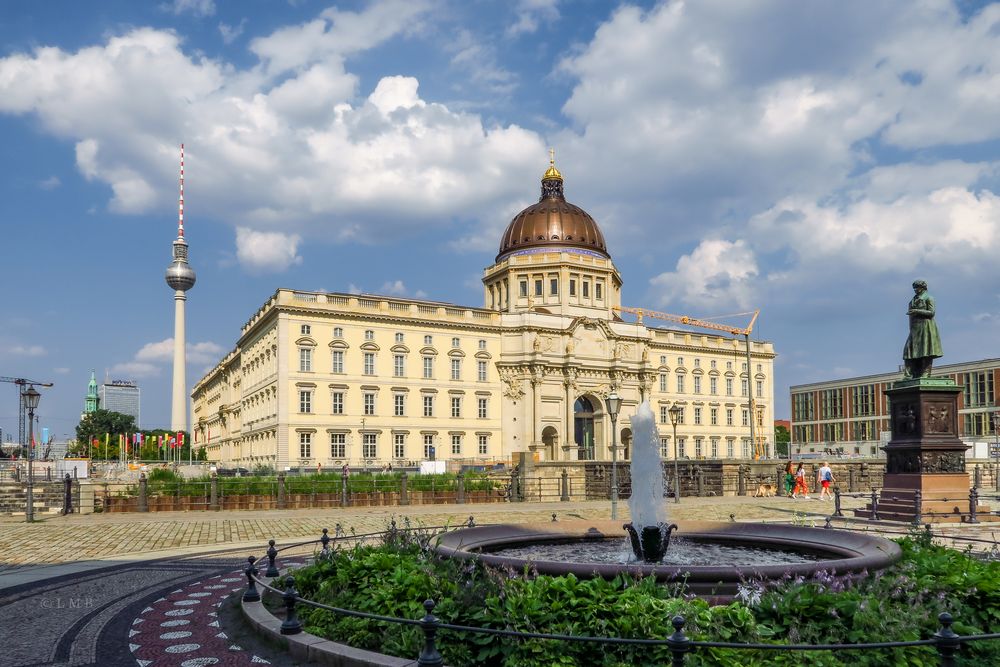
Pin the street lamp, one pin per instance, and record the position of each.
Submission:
(675, 416)
(30, 398)
(614, 404)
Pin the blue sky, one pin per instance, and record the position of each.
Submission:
(809, 159)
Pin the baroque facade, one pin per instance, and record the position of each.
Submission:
(325, 379)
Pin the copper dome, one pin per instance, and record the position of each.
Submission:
(552, 222)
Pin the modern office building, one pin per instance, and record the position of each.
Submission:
(327, 378)
(852, 415)
(122, 396)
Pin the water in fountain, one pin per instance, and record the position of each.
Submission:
(646, 503)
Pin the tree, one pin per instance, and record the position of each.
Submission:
(96, 424)
(781, 439)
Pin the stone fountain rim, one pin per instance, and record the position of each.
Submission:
(852, 554)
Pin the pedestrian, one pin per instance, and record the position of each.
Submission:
(789, 479)
(800, 483)
(824, 478)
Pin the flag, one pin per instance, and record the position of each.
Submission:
(180, 439)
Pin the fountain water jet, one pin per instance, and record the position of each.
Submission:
(649, 532)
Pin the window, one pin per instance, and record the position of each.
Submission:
(553, 286)
(428, 340)
(862, 402)
(369, 334)
(664, 448)
(744, 367)
(369, 363)
(586, 290)
(663, 360)
(977, 388)
(305, 445)
(456, 369)
(484, 441)
(663, 382)
(428, 368)
(697, 416)
(305, 400)
(729, 449)
(697, 363)
(760, 418)
(338, 361)
(713, 386)
(456, 445)
(713, 416)
(399, 365)
(398, 445)
(598, 291)
(681, 448)
(428, 446)
(680, 384)
(305, 359)
(524, 288)
(729, 365)
(428, 405)
(698, 447)
(713, 364)
(697, 384)
(399, 336)
(338, 332)
(715, 448)
(369, 403)
(305, 329)
(481, 407)
(399, 405)
(831, 403)
(804, 409)
(482, 343)
(680, 415)
(664, 415)
(538, 288)
(455, 343)
(338, 445)
(481, 371)
(729, 386)
(680, 361)
(338, 403)
(572, 286)
(746, 448)
(369, 448)
(743, 387)
(456, 406)
(729, 417)
(746, 417)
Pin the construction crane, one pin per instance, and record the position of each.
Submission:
(20, 382)
(715, 326)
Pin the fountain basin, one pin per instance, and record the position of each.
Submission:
(842, 553)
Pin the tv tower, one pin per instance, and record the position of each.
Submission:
(181, 278)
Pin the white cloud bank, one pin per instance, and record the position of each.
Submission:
(151, 358)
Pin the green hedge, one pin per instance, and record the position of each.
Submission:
(901, 603)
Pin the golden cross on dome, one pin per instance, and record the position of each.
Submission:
(552, 156)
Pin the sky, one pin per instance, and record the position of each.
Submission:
(808, 159)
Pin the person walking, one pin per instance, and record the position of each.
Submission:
(789, 479)
(800, 483)
(824, 478)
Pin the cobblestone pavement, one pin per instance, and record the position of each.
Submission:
(74, 538)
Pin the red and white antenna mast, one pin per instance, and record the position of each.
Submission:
(180, 204)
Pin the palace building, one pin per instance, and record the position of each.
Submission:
(327, 379)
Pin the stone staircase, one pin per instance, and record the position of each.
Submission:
(48, 497)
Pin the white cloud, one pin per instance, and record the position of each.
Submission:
(152, 357)
(267, 251)
(529, 13)
(158, 352)
(393, 288)
(26, 351)
(50, 183)
(195, 7)
(137, 369)
(61, 370)
(718, 274)
(230, 33)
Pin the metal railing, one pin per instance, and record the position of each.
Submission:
(946, 642)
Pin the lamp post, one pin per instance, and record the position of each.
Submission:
(614, 404)
(675, 415)
(30, 398)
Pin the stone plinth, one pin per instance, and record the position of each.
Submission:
(925, 455)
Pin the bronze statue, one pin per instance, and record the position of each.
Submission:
(923, 345)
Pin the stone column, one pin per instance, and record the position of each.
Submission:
(570, 428)
(536, 409)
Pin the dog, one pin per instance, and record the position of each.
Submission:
(764, 491)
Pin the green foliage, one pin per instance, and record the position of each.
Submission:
(781, 439)
(901, 603)
(96, 424)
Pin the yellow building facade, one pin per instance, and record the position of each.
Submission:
(326, 379)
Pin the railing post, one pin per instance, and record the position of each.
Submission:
(404, 492)
(850, 480)
(291, 625)
(67, 495)
(874, 516)
(213, 492)
(343, 489)
(918, 501)
(678, 642)
(251, 594)
(946, 641)
(325, 541)
(143, 498)
(282, 501)
(977, 476)
(48, 474)
(460, 492)
(837, 511)
(429, 655)
(564, 487)
(272, 554)
(741, 480)
(699, 480)
(973, 505)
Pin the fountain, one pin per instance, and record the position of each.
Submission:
(705, 558)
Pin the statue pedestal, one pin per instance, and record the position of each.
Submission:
(925, 455)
